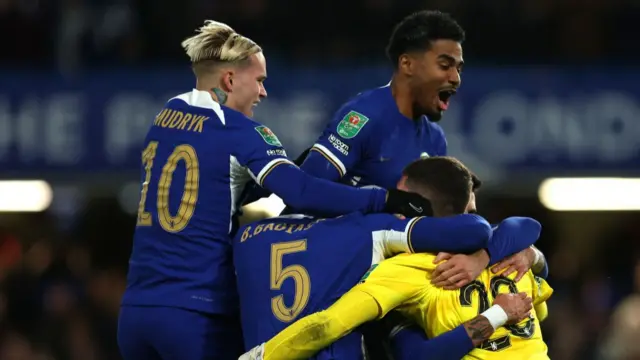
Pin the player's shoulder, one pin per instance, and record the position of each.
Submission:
(273, 228)
(201, 101)
(198, 101)
(369, 105)
(434, 128)
(421, 261)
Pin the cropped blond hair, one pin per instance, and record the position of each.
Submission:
(217, 43)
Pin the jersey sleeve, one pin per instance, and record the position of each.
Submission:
(260, 151)
(266, 160)
(541, 290)
(306, 336)
(512, 235)
(541, 293)
(457, 234)
(392, 283)
(343, 143)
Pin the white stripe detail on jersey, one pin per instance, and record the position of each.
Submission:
(238, 179)
(326, 152)
(267, 168)
(202, 99)
(387, 243)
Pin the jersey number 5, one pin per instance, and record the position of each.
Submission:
(525, 331)
(170, 223)
(296, 272)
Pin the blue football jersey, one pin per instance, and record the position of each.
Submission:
(197, 159)
(369, 142)
(292, 266)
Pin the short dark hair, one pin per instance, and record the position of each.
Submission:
(445, 175)
(417, 31)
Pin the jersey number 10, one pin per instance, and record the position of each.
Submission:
(168, 222)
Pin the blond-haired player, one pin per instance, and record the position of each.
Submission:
(200, 152)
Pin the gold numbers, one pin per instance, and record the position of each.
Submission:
(144, 218)
(170, 223)
(279, 274)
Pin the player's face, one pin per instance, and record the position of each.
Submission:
(248, 85)
(471, 207)
(436, 78)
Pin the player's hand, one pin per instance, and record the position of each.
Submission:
(458, 270)
(517, 306)
(407, 203)
(520, 262)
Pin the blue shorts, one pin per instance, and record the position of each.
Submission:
(167, 333)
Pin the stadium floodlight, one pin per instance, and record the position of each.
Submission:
(25, 195)
(590, 194)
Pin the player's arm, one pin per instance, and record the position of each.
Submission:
(307, 336)
(460, 234)
(408, 341)
(342, 144)
(511, 236)
(540, 266)
(264, 156)
(383, 288)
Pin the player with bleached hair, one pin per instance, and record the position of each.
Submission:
(200, 153)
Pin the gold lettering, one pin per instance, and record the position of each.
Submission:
(300, 227)
(161, 116)
(280, 227)
(184, 122)
(258, 230)
(268, 227)
(176, 119)
(246, 234)
(200, 124)
(168, 119)
(290, 229)
(193, 122)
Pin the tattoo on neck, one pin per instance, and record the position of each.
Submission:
(221, 95)
(479, 329)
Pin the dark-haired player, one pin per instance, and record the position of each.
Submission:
(201, 151)
(290, 267)
(375, 135)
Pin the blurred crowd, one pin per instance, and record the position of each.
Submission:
(71, 34)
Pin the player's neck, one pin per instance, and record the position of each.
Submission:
(402, 95)
(217, 94)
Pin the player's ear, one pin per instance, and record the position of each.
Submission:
(227, 81)
(405, 64)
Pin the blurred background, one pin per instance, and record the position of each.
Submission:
(550, 92)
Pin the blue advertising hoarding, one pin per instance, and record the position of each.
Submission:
(547, 120)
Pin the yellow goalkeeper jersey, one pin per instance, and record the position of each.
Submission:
(403, 283)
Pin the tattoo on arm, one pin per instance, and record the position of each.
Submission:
(221, 95)
(479, 329)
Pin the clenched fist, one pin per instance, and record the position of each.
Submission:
(517, 306)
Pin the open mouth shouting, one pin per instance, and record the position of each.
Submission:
(443, 98)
